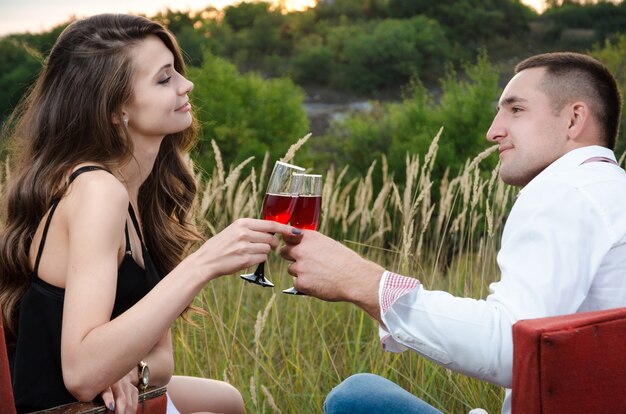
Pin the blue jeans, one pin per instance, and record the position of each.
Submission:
(369, 394)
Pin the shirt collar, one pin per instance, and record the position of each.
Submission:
(574, 158)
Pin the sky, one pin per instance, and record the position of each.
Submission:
(18, 16)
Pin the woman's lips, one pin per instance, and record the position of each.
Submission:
(183, 108)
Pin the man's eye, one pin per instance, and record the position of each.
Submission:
(516, 109)
(164, 81)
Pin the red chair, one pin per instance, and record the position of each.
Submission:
(570, 364)
(151, 401)
(7, 404)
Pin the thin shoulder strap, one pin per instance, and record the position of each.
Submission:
(55, 203)
(84, 169)
(127, 249)
(133, 217)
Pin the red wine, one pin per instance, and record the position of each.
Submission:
(306, 214)
(278, 207)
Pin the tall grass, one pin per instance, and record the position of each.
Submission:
(285, 352)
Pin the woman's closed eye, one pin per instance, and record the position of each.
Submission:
(165, 80)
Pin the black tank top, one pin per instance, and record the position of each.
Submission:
(36, 364)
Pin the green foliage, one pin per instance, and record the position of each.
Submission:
(21, 57)
(19, 67)
(219, 38)
(466, 108)
(192, 45)
(176, 21)
(404, 8)
(245, 114)
(265, 36)
(182, 26)
(386, 53)
(367, 47)
(466, 21)
(243, 15)
(40, 43)
(613, 55)
(299, 24)
(369, 52)
(313, 66)
(395, 129)
(256, 33)
(340, 9)
(604, 18)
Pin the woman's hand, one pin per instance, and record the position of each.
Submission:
(122, 397)
(246, 242)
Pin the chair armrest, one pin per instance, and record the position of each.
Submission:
(570, 363)
(152, 400)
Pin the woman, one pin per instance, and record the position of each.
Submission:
(98, 210)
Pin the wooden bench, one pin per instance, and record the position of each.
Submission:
(153, 400)
(570, 364)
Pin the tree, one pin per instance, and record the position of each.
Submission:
(465, 110)
(182, 26)
(613, 55)
(336, 9)
(245, 114)
(469, 21)
(313, 65)
(386, 53)
(604, 18)
(243, 15)
(19, 66)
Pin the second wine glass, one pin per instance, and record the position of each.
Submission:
(278, 204)
(306, 213)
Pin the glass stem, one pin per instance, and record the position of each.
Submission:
(260, 271)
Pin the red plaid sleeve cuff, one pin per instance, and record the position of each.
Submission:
(395, 286)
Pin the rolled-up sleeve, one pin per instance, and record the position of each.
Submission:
(466, 335)
(552, 246)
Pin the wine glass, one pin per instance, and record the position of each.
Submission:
(280, 199)
(306, 213)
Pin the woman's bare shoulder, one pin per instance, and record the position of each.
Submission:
(97, 191)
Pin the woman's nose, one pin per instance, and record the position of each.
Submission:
(186, 86)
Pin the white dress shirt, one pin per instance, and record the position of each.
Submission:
(563, 251)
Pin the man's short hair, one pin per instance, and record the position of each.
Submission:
(574, 76)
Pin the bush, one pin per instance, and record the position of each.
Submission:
(387, 53)
(245, 114)
(19, 68)
(314, 65)
(613, 55)
(395, 129)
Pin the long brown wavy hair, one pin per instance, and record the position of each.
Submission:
(67, 119)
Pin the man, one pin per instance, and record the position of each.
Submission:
(563, 246)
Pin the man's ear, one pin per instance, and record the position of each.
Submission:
(579, 117)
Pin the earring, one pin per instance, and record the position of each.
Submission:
(126, 123)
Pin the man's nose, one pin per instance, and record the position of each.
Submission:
(496, 131)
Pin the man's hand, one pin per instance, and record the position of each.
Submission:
(330, 271)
